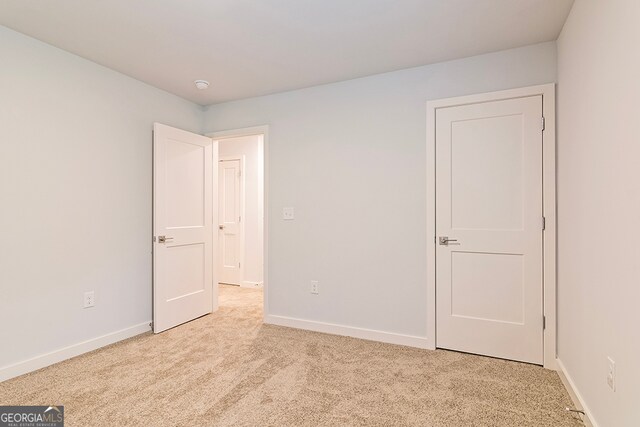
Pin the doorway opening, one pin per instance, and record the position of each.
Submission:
(186, 227)
(240, 254)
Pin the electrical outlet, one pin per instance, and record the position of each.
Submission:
(288, 214)
(611, 375)
(314, 287)
(89, 299)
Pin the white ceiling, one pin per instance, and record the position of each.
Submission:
(248, 48)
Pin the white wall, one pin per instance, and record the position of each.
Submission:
(599, 205)
(249, 150)
(75, 189)
(75, 185)
(350, 157)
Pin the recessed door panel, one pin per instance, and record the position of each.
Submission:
(186, 269)
(487, 286)
(184, 183)
(486, 173)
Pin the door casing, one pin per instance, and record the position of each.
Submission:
(549, 207)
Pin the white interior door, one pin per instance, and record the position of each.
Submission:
(230, 230)
(489, 204)
(183, 202)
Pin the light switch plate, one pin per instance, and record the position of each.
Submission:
(288, 213)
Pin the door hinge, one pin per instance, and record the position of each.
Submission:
(543, 123)
(238, 265)
(240, 218)
(544, 223)
(544, 322)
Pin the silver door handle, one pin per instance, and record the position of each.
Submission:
(163, 239)
(444, 240)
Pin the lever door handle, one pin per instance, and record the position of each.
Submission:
(221, 227)
(163, 239)
(444, 240)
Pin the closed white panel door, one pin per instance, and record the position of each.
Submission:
(489, 229)
(183, 226)
(230, 231)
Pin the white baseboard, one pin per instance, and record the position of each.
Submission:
(35, 363)
(348, 331)
(246, 284)
(578, 401)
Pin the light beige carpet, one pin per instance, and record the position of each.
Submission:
(228, 369)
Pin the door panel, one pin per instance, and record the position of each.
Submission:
(184, 184)
(486, 166)
(186, 269)
(183, 201)
(489, 200)
(230, 229)
(470, 269)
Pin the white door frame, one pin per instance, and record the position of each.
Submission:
(549, 206)
(250, 131)
(241, 160)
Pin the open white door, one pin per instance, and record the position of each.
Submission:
(489, 225)
(183, 215)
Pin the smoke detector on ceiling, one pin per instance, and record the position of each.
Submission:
(201, 84)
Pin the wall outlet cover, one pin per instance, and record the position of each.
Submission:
(288, 213)
(89, 299)
(611, 374)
